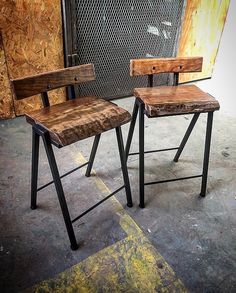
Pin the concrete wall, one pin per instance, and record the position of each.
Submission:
(223, 81)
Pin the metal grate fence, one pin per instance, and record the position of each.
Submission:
(110, 33)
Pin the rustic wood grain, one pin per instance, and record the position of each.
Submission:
(32, 36)
(6, 102)
(165, 65)
(171, 100)
(36, 84)
(78, 119)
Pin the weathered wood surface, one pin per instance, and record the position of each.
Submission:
(165, 65)
(170, 100)
(6, 101)
(202, 27)
(32, 37)
(33, 85)
(78, 119)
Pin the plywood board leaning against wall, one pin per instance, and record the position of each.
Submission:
(32, 38)
(202, 28)
(6, 103)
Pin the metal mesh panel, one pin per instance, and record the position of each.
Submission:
(110, 33)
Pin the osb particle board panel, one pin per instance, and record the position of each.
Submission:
(32, 36)
(201, 33)
(6, 103)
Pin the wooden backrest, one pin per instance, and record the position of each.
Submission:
(165, 65)
(44, 82)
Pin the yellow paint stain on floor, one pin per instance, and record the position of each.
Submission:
(130, 265)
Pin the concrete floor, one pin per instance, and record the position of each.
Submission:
(195, 236)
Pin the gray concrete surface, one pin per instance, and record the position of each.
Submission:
(196, 236)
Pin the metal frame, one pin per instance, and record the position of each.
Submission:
(69, 41)
(38, 132)
(69, 30)
(139, 106)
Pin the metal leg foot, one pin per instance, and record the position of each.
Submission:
(59, 189)
(34, 168)
(141, 156)
(206, 154)
(75, 247)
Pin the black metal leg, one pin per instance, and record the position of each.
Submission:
(141, 156)
(34, 168)
(92, 155)
(186, 136)
(131, 130)
(59, 189)
(124, 166)
(206, 153)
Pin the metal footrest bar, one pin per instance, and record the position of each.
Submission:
(155, 151)
(64, 175)
(97, 204)
(170, 180)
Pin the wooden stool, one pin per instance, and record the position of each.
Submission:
(169, 101)
(67, 123)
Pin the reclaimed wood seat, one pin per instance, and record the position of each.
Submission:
(172, 100)
(67, 123)
(169, 100)
(78, 119)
